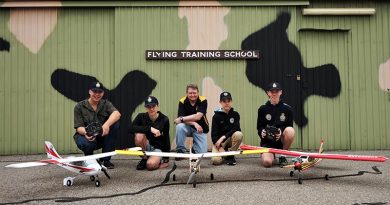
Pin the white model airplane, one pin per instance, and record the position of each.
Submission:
(194, 159)
(87, 165)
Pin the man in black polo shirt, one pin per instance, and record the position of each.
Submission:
(192, 121)
(99, 111)
(151, 130)
(278, 114)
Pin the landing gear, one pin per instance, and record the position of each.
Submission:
(194, 184)
(97, 183)
(174, 177)
(291, 173)
(211, 176)
(68, 181)
(326, 177)
(299, 180)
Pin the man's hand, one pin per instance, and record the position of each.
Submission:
(277, 136)
(89, 138)
(106, 129)
(219, 142)
(198, 128)
(178, 120)
(263, 133)
(155, 132)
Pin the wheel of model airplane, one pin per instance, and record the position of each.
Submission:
(174, 177)
(92, 178)
(68, 182)
(97, 183)
(299, 180)
(194, 184)
(212, 176)
(291, 173)
(326, 177)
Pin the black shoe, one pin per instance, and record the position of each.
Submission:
(282, 160)
(141, 164)
(179, 158)
(108, 164)
(231, 160)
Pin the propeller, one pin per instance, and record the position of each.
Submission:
(103, 169)
(194, 170)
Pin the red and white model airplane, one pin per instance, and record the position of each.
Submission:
(87, 165)
(305, 160)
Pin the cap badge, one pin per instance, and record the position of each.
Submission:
(149, 99)
(98, 85)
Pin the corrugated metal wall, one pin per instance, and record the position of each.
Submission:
(108, 42)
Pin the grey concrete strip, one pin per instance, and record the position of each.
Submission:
(247, 183)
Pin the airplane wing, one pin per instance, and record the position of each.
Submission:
(84, 158)
(188, 155)
(318, 155)
(27, 164)
(62, 160)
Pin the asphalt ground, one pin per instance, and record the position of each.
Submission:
(350, 182)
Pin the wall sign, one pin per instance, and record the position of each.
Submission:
(201, 54)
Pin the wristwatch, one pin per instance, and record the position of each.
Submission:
(181, 119)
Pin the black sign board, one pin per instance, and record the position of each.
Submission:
(201, 54)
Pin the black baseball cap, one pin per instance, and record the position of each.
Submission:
(96, 86)
(151, 101)
(225, 95)
(274, 86)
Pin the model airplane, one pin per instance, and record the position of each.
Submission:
(194, 159)
(305, 160)
(86, 165)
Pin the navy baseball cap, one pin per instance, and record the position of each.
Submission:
(274, 86)
(151, 101)
(225, 95)
(96, 86)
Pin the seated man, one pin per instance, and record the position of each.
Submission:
(278, 114)
(151, 134)
(192, 121)
(225, 130)
(98, 111)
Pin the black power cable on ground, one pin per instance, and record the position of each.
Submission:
(167, 177)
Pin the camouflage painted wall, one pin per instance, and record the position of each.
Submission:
(335, 69)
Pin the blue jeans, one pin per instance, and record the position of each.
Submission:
(200, 139)
(107, 143)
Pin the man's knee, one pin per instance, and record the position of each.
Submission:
(139, 138)
(289, 133)
(216, 160)
(152, 165)
(267, 163)
(237, 136)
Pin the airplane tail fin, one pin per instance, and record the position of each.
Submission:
(321, 149)
(51, 151)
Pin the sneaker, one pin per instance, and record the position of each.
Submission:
(282, 160)
(108, 164)
(179, 158)
(231, 160)
(141, 164)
